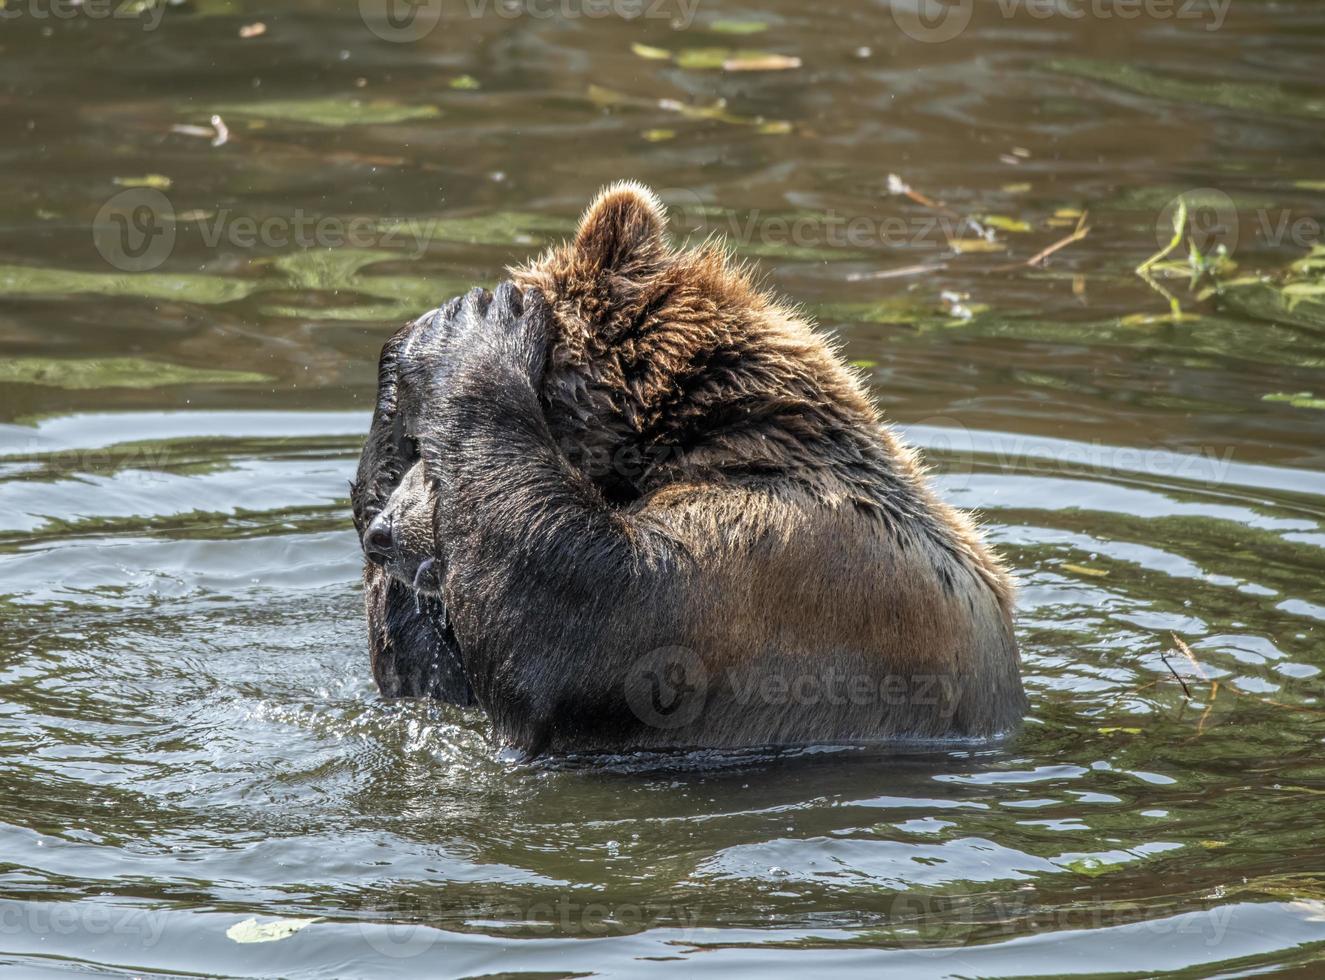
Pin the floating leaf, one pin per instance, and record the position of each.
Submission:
(1301, 399)
(717, 112)
(157, 181)
(464, 83)
(703, 57)
(658, 135)
(332, 111)
(25, 280)
(969, 246)
(898, 309)
(729, 59)
(1304, 289)
(651, 53)
(1312, 263)
(865, 364)
(493, 228)
(1126, 731)
(1092, 867)
(1020, 188)
(1268, 302)
(599, 95)
(737, 26)
(1310, 185)
(80, 374)
(251, 931)
(757, 61)
(1084, 570)
(1004, 223)
(1157, 319)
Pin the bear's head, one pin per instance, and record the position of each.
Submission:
(661, 358)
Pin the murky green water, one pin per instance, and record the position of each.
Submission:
(188, 733)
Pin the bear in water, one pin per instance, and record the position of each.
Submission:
(631, 501)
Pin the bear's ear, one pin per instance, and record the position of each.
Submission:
(622, 229)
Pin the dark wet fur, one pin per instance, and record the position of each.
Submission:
(793, 533)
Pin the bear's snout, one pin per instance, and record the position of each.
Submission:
(379, 541)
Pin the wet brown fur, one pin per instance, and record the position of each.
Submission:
(704, 473)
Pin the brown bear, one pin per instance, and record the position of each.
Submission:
(633, 502)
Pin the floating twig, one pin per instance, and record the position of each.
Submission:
(896, 185)
(1081, 231)
(1214, 693)
(906, 270)
(1187, 692)
(1186, 651)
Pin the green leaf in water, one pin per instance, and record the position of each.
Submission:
(80, 374)
(24, 280)
(701, 58)
(1091, 867)
(651, 53)
(251, 931)
(737, 26)
(1311, 264)
(717, 112)
(1084, 570)
(1300, 399)
(729, 59)
(495, 228)
(464, 83)
(323, 268)
(1304, 289)
(1004, 223)
(344, 111)
(158, 182)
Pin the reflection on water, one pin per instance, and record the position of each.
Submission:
(188, 733)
